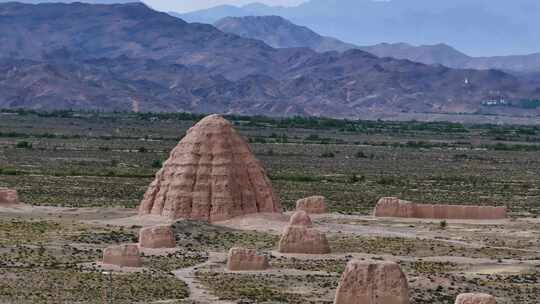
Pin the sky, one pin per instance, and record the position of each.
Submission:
(182, 6)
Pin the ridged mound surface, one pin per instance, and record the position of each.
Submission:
(210, 175)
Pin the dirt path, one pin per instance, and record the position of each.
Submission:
(197, 292)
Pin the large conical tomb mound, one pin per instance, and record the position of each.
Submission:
(210, 175)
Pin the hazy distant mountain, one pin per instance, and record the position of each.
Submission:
(73, 1)
(428, 54)
(450, 57)
(477, 27)
(280, 33)
(216, 13)
(129, 57)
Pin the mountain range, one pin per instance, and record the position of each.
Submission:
(130, 57)
(278, 32)
(476, 27)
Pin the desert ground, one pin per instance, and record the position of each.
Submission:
(81, 176)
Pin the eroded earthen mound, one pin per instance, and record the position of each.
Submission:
(210, 175)
(8, 196)
(394, 207)
(300, 218)
(300, 237)
(126, 255)
(157, 237)
(241, 259)
(312, 204)
(372, 283)
(475, 298)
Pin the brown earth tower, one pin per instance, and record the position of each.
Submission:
(210, 175)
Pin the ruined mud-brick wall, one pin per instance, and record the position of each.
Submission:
(372, 282)
(157, 237)
(8, 196)
(126, 255)
(394, 207)
(242, 259)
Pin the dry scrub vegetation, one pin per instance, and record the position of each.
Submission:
(106, 160)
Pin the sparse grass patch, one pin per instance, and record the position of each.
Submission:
(419, 248)
(199, 235)
(248, 287)
(174, 261)
(262, 288)
(106, 237)
(68, 286)
(329, 265)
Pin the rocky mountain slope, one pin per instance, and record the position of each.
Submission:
(129, 57)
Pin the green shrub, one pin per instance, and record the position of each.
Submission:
(353, 179)
(443, 224)
(328, 155)
(313, 137)
(24, 145)
(360, 154)
(156, 163)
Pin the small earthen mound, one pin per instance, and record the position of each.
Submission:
(475, 298)
(126, 255)
(8, 196)
(312, 205)
(302, 239)
(157, 237)
(394, 207)
(210, 175)
(300, 218)
(372, 283)
(241, 259)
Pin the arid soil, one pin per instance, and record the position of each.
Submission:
(496, 257)
(81, 181)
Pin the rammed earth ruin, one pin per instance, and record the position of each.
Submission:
(394, 207)
(210, 175)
